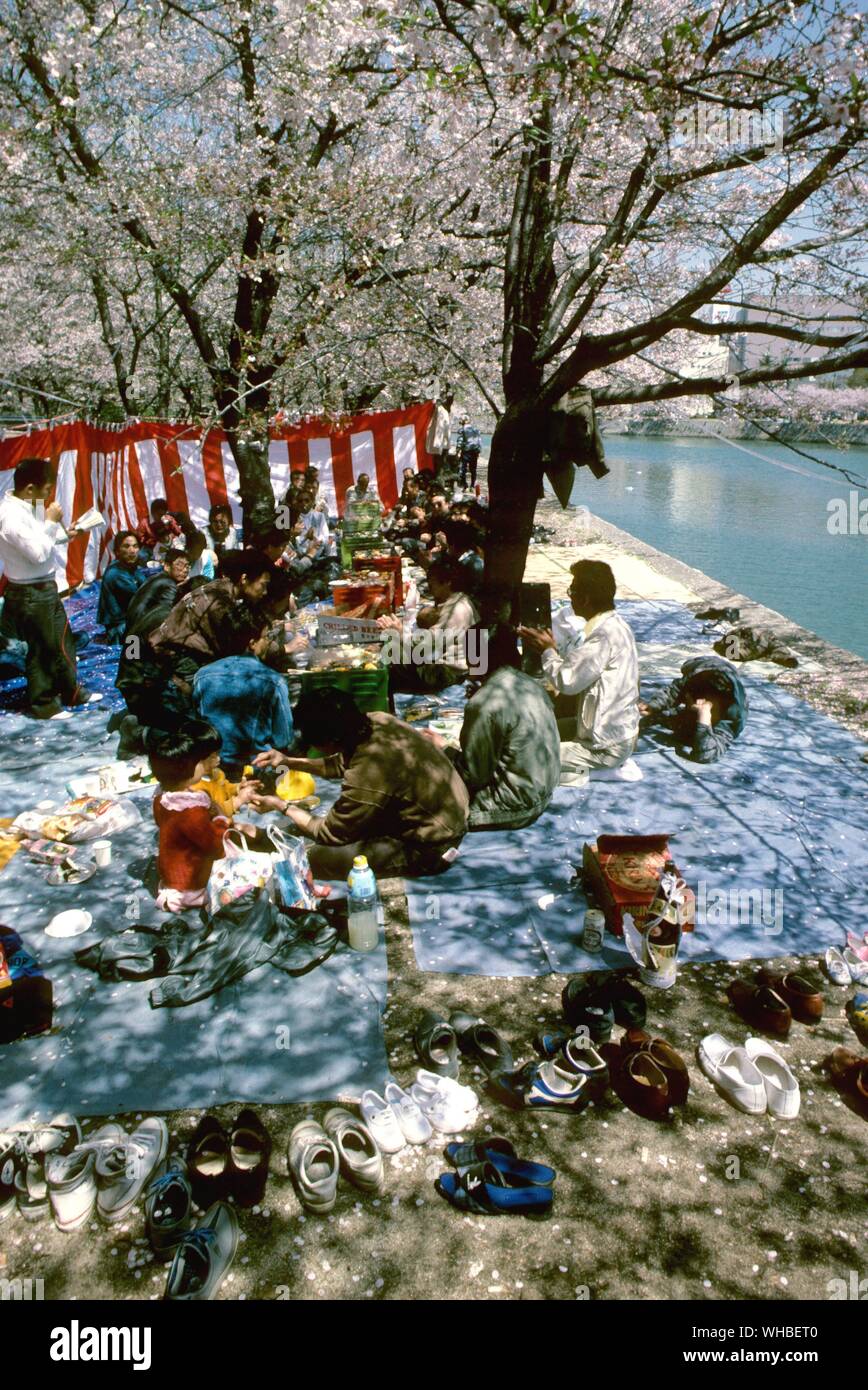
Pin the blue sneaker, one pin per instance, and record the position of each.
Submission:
(548, 1086)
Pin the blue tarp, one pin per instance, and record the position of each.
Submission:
(110, 1052)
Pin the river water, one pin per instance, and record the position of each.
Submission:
(762, 525)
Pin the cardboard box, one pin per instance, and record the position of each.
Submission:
(622, 872)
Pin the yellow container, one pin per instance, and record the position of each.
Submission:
(295, 786)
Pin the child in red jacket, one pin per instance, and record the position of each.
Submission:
(191, 836)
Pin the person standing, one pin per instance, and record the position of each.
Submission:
(33, 606)
(469, 446)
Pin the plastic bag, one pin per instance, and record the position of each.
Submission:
(86, 818)
(238, 872)
(294, 885)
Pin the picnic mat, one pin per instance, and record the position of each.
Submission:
(783, 818)
(268, 1038)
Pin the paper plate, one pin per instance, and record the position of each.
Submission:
(71, 923)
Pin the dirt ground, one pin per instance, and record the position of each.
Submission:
(710, 1204)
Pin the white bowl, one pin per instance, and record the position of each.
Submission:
(71, 923)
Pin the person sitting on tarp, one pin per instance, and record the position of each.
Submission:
(220, 533)
(363, 490)
(123, 578)
(442, 658)
(152, 699)
(705, 709)
(160, 530)
(401, 803)
(510, 754)
(194, 632)
(245, 701)
(603, 670)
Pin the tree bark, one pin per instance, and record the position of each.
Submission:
(254, 477)
(515, 471)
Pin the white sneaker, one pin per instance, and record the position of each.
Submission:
(71, 1188)
(782, 1088)
(448, 1106)
(733, 1073)
(61, 714)
(123, 1170)
(428, 1083)
(382, 1121)
(414, 1126)
(836, 967)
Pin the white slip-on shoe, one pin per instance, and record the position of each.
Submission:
(313, 1165)
(733, 1073)
(71, 1188)
(382, 1121)
(858, 968)
(359, 1156)
(413, 1124)
(836, 967)
(782, 1088)
(125, 1169)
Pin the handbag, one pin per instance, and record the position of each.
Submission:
(238, 872)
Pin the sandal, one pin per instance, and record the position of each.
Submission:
(436, 1044)
(483, 1191)
(500, 1154)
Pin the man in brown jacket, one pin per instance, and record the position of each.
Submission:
(401, 803)
(196, 630)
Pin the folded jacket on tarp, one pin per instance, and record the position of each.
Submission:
(197, 958)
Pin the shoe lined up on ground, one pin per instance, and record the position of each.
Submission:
(754, 1078)
(394, 1119)
(436, 1044)
(360, 1159)
(482, 1044)
(849, 1075)
(168, 1206)
(857, 1013)
(497, 1183)
(844, 967)
(203, 1256)
(229, 1163)
(761, 1007)
(313, 1164)
(803, 997)
(448, 1106)
(598, 1001)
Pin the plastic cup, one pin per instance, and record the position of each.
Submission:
(102, 853)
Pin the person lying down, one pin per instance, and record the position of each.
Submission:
(704, 709)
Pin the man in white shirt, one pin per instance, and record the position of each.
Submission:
(33, 607)
(603, 670)
(363, 490)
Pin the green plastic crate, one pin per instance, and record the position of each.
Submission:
(369, 689)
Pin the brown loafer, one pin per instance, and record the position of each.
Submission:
(642, 1085)
(849, 1073)
(805, 1000)
(762, 1007)
(670, 1062)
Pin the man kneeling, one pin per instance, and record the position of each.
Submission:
(603, 670)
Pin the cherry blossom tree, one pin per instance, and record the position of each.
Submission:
(338, 203)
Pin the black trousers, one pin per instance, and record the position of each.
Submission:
(39, 619)
(389, 857)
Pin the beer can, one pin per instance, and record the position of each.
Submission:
(594, 927)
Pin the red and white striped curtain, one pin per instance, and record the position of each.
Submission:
(120, 470)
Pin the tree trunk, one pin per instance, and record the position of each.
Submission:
(515, 471)
(254, 476)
